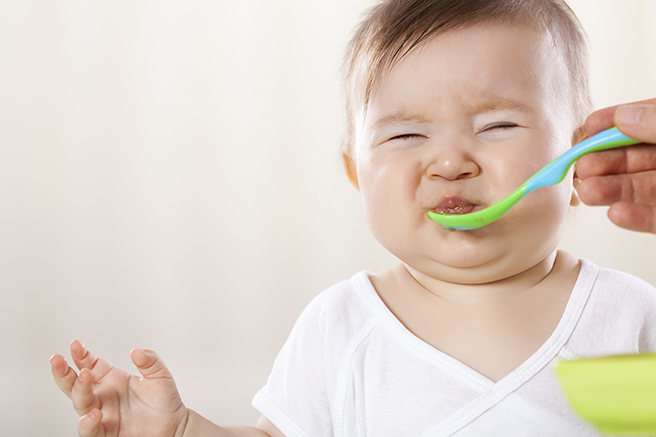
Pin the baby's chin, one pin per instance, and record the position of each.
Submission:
(471, 270)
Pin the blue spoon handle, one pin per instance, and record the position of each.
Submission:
(556, 170)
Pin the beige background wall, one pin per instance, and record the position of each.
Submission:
(170, 178)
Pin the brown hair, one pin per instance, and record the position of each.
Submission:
(394, 27)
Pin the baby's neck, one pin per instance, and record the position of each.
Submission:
(492, 328)
(486, 293)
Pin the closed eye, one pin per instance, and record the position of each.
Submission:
(406, 137)
(498, 126)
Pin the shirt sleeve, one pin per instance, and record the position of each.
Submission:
(619, 317)
(296, 397)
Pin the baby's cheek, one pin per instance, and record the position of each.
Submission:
(383, 216)
(547, 207)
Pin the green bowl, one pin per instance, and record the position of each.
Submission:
(617, 394)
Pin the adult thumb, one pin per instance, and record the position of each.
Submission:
(638, 121)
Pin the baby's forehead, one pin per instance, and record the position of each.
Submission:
(534, 38)
(468, 72)
(493, 52)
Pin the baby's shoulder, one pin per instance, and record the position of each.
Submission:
(617, 316)
(341, 305)
(625, 287)
(617, 295)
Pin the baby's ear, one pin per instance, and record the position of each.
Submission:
(575, 200)
(351, 170)
(579, 135)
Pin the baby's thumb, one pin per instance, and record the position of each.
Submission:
(149, 364)
(638, 121)
(89, 425)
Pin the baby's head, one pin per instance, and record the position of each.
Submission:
(451, 105)
(395, 27)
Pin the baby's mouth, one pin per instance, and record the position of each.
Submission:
(456, 205)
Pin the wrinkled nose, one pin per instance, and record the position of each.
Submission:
(452, 165)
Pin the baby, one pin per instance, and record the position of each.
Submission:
(451, 105)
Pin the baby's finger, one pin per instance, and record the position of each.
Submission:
(89, 425)
(149, 364)
(82, 357)
(64, 375)
(82, 395)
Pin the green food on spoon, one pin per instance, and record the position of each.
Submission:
(551, 174)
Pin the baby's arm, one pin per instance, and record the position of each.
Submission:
(115, 403)
(200, 426)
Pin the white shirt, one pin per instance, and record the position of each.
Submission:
(350, 368)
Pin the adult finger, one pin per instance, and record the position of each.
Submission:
(89, 424)
(641, 218)
(149, 364)
(637, 121)
(84, 400)
(600, 120)
(637, 188)
(64, 375)
(616, 161)
(605, 118)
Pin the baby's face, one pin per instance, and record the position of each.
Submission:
(458, 124)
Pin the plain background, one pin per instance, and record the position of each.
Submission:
(170, 178)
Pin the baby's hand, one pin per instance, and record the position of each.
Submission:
(115, 403)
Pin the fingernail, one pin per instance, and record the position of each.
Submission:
(93, 415)
(629, 115)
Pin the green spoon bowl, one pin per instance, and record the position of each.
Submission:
(552, 174)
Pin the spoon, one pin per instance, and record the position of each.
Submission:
(551, 174)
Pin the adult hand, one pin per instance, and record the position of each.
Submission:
(114, 403)
(624, 178)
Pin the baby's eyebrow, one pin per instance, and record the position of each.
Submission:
(488, 105)
(498, 104)
(397, 118)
